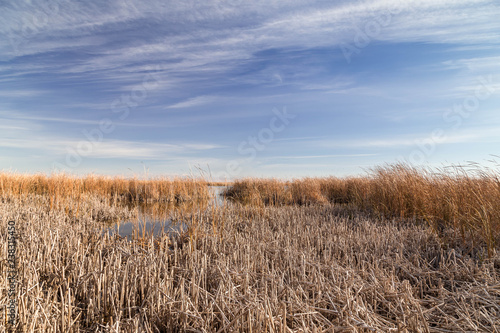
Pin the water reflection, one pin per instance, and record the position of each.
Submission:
(217, 197)
(146, 228)
(162, 218)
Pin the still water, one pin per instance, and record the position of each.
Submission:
(155, 219)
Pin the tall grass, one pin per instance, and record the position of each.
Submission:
(62, 186)
(466, 199)
(259, 192)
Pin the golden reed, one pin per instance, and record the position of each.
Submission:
(466, 199)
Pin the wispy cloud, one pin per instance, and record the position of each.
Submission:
(470, 135)
(20, 93)
(432, 21)
(108, 148)
(195, 101)
(10, 127)
(307, 157)
(64, 64)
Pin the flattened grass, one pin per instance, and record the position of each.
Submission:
(268, 269)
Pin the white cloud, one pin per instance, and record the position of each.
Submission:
(276, 24)
(197, 42)
(195, 101)
(20, 93)
(10, 127)
(449, 137)
(107, 148)
(307, 157)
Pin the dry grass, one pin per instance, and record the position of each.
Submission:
(61, 186)
(219, 183)
(325, 268)
(311, 255)
(259, 192)
(468, 200)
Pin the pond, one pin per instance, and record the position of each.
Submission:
(156, 219)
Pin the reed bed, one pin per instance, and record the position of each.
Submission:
(259, 192)
(466, 199)
(62, 186)
(309, 268)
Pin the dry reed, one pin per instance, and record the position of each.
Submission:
(468, 200)
(311, 255)
(326, 268)
(62, 186)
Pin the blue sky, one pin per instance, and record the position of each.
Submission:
(247, 88)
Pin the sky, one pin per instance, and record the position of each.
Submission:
(233, 89)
